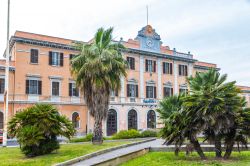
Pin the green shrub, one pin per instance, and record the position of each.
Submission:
(87, 138)
(126, 134)
(37, 127)
(149, 133)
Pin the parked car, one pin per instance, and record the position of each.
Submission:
(1, 136)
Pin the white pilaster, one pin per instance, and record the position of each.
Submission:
(141, 77)
(159, 71)
(122, 89)
(176, 91)
(190, 69)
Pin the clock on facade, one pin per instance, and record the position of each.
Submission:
(149, 43)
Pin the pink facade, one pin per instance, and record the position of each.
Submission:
(41, 73)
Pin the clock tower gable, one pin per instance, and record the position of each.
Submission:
(149, 39)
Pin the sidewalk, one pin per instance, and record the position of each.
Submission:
(117, 153)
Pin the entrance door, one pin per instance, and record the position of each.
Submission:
(111, 122)
(1, 120)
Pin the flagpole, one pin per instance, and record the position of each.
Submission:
(6, 86)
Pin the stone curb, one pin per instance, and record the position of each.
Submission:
(87, 156)
(115, 140)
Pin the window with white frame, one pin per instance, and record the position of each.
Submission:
(167, 91)
(33, 86)
(55, 88)
(34, 56)
(150, 92)
(55, 58)
(132, 90)
(183, 91)
(167, 68)
(150, 66)
(73, 90)
(2, 84)
(183, 70)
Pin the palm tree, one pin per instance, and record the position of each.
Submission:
(178, 126)
(239, 132)
(98, 69)
(37, 127)
(213, 104)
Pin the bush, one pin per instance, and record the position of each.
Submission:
(37, 127)
(87, 138)
(149, 133)
(126, 134)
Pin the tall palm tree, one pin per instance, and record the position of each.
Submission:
(98, 69)
(213, 104)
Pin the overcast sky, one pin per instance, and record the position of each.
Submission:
(216, 31)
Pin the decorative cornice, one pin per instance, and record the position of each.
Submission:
(10, 68)
(159, 55)
(168, 84)
(40, 43)
(205, 67)
(132, 80)
(245, 91)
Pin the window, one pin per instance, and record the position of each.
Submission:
(150, 92)
(131, 63)
(71, 56)
(2, 85)
(55, 88)
(55, 58)
(33, 87)
(183, 70)
(33, 56)
(167, 68)
(73, 90)
(132, 90)
(150, 66)
(151, 119)
(183, 91)
(114, 93)
(76, 120)
(132, 120)
(167, 91)
(1, 120)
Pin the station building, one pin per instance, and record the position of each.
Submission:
(40, 73)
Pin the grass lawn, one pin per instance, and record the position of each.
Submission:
(13, 156)
(169, 159)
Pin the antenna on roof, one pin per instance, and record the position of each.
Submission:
(147, 14)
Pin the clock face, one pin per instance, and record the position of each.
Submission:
(150, 43)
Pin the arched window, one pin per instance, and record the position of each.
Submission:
(132, 119)
(151, 119)
(1, 120)
(76, 120)
(111, 122)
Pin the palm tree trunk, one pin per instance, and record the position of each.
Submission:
(97, 137)
(229, 149)
(217, 144)
(197, 147)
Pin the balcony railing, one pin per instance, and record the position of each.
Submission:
(23, 98)
(183, 55)
(40, 98)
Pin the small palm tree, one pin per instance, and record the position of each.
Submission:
(213, 105)
(37, 127)
(178, 125)
(98, 70)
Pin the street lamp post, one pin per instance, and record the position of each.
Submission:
(6, 86)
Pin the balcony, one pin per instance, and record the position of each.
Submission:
(23, 98)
